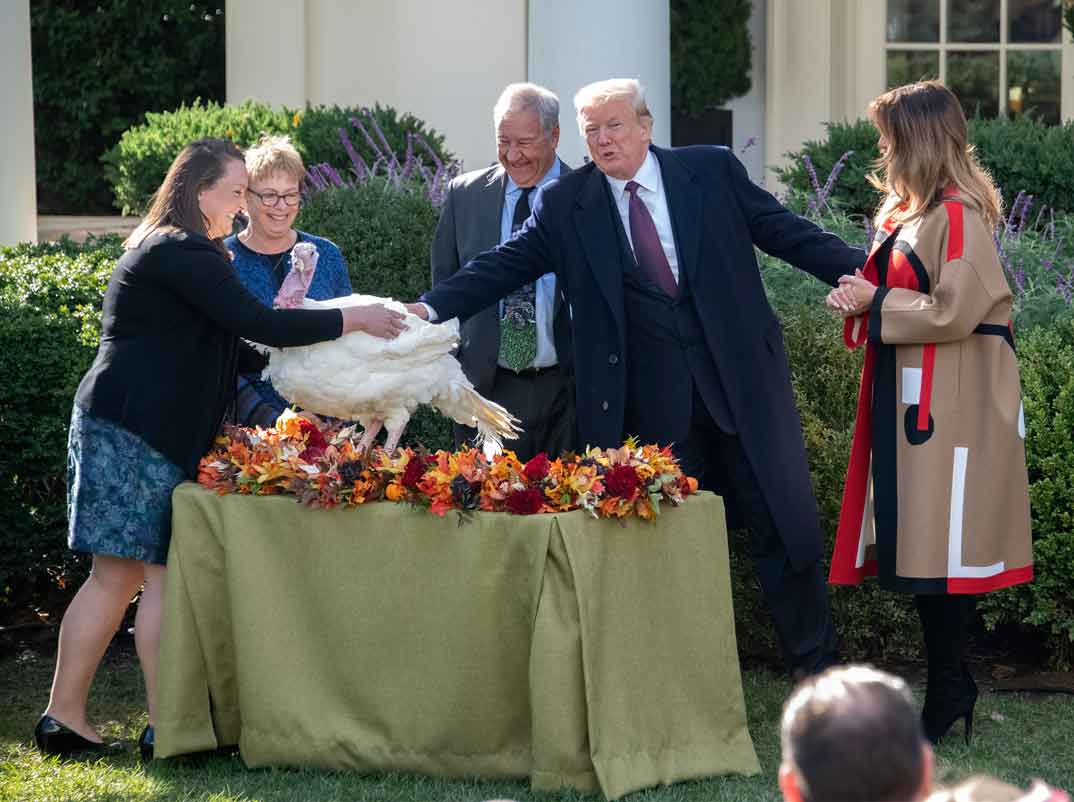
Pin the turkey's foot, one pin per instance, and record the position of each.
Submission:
(369, 436)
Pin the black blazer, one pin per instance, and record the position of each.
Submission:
(717, 215)
(469, 225)
(173, 314)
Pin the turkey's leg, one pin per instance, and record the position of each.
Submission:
(369, 435)
(393, 438)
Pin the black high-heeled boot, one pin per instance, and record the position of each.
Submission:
(145, 743)
(51, 737)
(951, 692)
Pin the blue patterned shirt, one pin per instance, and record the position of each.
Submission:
(257, 402)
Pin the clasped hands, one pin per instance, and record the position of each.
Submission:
(853, 296)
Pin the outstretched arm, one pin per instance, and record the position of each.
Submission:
(492, 275)
(781, 233)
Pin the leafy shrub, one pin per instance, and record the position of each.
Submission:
(97, 67)
(50, 304)
(137, 164)
(1046, 359)
(1022, 155)
(710, 53)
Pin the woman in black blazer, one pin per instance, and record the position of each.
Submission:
(149, 407)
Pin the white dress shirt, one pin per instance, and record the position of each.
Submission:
(651, 191)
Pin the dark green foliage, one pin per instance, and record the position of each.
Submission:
(1046, 358)
(1025, 155)
(137, 164)
(710, 53)
(97, 68)
(384, 233)
(1022, 155)
(50, 303)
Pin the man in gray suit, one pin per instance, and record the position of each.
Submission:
(517, 351)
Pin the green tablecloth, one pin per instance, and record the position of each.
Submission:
(576, 652)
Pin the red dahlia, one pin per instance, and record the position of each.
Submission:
(537, 468)
(413, 473)
(622, 481)
(525, 502)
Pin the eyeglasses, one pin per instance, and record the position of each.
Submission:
(272, 198)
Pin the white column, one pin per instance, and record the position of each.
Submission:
(266, 51)
(18, 200)
(748, 122)
(573, 43)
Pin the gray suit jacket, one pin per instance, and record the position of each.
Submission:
(470, 225)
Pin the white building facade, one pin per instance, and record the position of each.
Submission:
(446, 61)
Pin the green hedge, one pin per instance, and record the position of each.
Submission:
(1022, 155)
(710, 53)
(97, 68)
(49, 307)
(137, 164)
(50, 303)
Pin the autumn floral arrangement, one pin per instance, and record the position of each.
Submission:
(325, 468)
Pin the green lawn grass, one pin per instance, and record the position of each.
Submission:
(1017, 737)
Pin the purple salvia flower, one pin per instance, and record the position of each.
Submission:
(437, 161)
(833, 176)
(360, 167)
(812, 173)
(870, 233)
(368, 139)
(314, 179)
(1020, 279)
(1026, 204)
(749, 144)
(1009, 223)
(384, 140)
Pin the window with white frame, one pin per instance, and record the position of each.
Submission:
(1001, 57)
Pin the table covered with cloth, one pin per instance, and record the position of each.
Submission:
(573, 651)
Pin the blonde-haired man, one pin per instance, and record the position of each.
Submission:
(674, 339)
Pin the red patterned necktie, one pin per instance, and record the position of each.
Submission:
(648, 251)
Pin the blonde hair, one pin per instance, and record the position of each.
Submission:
(600, 92)
(274, 154)
(928, 150)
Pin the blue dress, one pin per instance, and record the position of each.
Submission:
(119, 491)
(258, 403)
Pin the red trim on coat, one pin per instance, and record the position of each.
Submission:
(924, 403)
(954, 229)
(1015, 576)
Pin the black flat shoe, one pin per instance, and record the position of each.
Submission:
(53, 738)
(145, 743)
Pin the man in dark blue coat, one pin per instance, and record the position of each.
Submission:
(673, 337)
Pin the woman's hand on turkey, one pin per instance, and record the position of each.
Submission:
(374, 319)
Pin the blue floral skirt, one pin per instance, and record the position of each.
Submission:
(119, 491)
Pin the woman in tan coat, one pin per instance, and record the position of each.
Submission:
(936, 500)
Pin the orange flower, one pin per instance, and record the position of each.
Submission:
(395, 492)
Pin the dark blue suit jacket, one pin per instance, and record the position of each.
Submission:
(717, 215)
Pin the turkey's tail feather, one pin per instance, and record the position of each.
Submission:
(494, 424)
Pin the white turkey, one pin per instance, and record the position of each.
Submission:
(379, 382)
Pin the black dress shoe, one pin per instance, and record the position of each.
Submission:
(53, 738)
(145, 743)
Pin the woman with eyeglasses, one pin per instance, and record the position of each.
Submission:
(262, 256)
